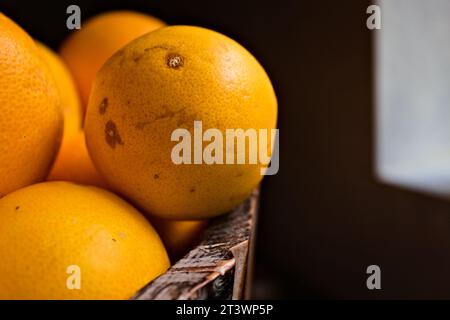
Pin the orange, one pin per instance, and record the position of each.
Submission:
(60, 240)
(67, 90)
(100, 37)
(178, 236)
(164, 81)
(31, 124)
(74, 164)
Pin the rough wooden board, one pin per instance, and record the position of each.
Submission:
(251, 254)
(216, 268)
(240, 254)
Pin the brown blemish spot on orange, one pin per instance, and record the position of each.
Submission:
(112, 136)
(122, 60)
(141, 125)
(192, 190)
(156, 176)
(174, 60)
(239, 174)
(167, 113)
(114, 240)
(158, 46)
(137, 56)
(103, 106)
(17, 208)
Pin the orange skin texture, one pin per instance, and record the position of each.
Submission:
(87, 49)
(67, 89)
(31, 122)
(178, 236)
(49, 226)
(138, 100)
(74, 164)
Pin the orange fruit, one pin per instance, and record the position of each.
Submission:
(100, 37)
(60, 240)
(31, 124)
(178, 236)
(164, 81)
(67, 90)
(73, 163)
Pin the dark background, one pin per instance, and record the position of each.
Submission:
(324, 217)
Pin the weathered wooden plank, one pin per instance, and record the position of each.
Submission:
(217, 267)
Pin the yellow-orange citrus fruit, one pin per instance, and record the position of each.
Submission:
(31, 124)
(100, 37)
(67, 90)
(163, 81)
(60, 240)
(178, 236)
(74, 164)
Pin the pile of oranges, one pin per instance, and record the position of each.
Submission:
(91, 204)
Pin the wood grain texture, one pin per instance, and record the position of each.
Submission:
(217, 267)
